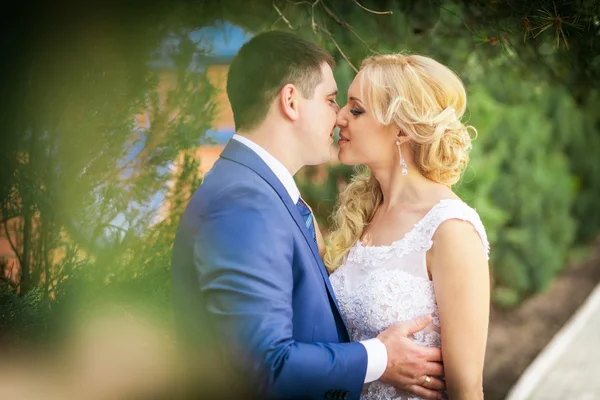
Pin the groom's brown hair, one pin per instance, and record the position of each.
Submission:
(263, 66)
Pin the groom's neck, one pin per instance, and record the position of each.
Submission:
(276, 142)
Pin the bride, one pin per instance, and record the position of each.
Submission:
(403, 243)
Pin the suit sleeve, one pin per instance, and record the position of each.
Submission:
(243, 256)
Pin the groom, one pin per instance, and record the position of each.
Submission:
(246, 253)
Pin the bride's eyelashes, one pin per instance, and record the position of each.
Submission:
(356, 112)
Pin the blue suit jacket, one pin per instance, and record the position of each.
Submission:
(243, 253)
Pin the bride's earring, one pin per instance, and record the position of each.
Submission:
(402, 163)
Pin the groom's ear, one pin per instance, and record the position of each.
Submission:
(288, 101)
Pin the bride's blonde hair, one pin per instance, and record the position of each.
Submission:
(426, 100)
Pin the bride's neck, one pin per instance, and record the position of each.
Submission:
(397, 188)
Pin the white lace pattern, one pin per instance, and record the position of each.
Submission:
(378, 286)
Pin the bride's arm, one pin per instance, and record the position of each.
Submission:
(459, 269)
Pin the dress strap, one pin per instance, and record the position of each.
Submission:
(453, 209)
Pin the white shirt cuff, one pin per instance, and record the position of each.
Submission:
(376, 359)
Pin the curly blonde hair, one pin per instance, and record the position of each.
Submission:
(426, 100)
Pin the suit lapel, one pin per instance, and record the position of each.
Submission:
(241, 154)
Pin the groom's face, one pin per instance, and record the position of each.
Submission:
(317, 120)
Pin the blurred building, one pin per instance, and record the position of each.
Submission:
(225, 40)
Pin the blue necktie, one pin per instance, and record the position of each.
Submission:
(307, 217)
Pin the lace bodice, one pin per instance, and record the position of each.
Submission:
(378, 286)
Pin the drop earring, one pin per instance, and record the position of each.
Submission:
(402, 163)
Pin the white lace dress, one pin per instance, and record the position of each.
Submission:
(378, 286)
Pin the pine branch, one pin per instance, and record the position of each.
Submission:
(372, 11)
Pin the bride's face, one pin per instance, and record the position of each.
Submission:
(363, 140)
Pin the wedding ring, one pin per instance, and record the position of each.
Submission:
(427, 381)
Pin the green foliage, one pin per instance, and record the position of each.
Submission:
(22, 317)
(87, 173)
(522, 187)
(577, 129)
(137, 269)
(132, 273)
(85, 194)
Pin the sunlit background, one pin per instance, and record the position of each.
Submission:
(113, 113)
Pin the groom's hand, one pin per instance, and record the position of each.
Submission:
(412, 368)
